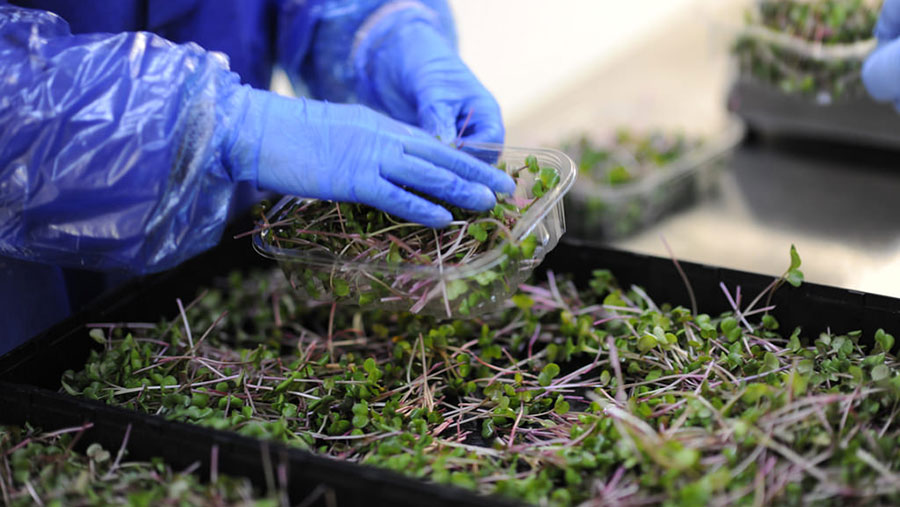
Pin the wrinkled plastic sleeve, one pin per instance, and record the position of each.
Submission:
(110, 145)
(316, 39)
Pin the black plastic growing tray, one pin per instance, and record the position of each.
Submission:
(29, 375)
(857, 120)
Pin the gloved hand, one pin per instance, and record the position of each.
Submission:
(351, 153)
(412, 72)
(881, 70)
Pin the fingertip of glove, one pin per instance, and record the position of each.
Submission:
(869, 78)
(438, 218)
(881, 72)
(490, 134)
(484, 198)
(506, 184)
(497, 180)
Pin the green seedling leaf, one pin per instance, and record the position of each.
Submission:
(341, 288)
(730, 328)
(618, 175)
(561, 406)
(97, 335)
(549, 177)
(794, 277)
(769, 322)
(685, 458)
(754, 392)
(548, 373)
(770, 362)
(646, 343)
(528, 246)
(485, 278)
(794, 341)
(795, 258)
(880, 372)
(478, 232)
(487, 428)
(884, 341)
(523, 301)
(456, 288)
(97, 453)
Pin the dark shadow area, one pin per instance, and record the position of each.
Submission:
(847, 193)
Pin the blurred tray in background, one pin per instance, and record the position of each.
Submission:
(597, 211)
(770, 112)
(799, 69)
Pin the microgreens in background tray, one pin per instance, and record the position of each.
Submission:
(356, 254)
(567, 395)
(38, 468)
(630, 157)
(813, 48)
(635, 178)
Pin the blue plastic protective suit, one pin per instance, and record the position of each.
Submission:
(110, 135)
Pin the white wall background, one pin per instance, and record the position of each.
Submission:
(525, 50)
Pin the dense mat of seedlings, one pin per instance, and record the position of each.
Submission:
(598, 394)
(38, 468)
(821, 49)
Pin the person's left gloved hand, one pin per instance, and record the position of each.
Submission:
(881, 70)
(413, 73)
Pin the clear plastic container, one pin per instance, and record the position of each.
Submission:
(823, 72)
(596, 211)
(447, 290)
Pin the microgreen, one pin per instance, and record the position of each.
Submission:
(629, 156)
(43, 469)
(352, 253)
(822, 22)
(568, 395)
(627, 183)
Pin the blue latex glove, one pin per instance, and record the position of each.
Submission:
(351, 153)
(881, 70)
(406, 67)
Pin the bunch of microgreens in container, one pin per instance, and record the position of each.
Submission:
(815, 48)
(632, 180)
(44, 469)
(353, 253)
(598, 395)
(629, 157)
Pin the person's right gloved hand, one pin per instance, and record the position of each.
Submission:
(351, 153)
(881, 70)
